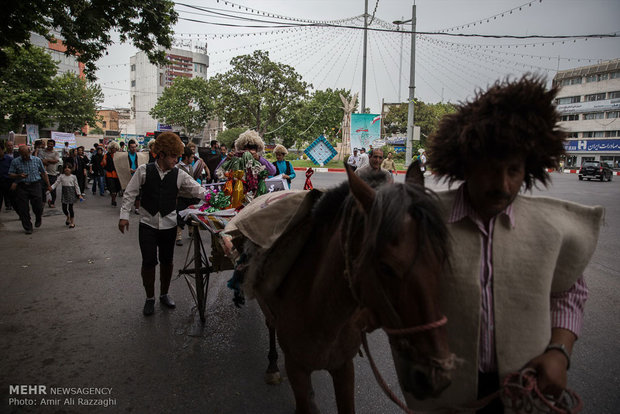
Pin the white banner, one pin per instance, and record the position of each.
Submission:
(586, 107)
(62, 137)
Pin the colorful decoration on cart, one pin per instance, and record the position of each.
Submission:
(320, 151)
(308, 183)
(262, 188)
(238, 194)
(215, 201)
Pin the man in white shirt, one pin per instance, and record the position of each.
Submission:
(364, 161)
(159, 184)
(354, 159)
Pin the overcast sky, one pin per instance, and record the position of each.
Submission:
(448, 68)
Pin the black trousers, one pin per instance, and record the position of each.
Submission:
(488, 383)
(6, 195)
(81, 179)
(28, 193)
(68, 210)
(156, 243)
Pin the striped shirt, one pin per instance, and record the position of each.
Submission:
(33, 167)
(566, 307)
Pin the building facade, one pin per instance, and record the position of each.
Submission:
(148, 81)
(66, 63)
(589, 104)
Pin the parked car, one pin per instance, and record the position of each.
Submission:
(595, 169)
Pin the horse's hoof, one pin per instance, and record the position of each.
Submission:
(273, 378)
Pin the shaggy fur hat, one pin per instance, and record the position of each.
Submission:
(169, 143)
(250, 138)
(113, 144)
(280, 149)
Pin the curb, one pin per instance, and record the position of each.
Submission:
(341, 170)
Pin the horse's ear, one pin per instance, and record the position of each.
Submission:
(414, 174)
(363, 193)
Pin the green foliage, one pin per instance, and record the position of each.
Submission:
(86, 26)
(32, 94)
(257, 91)
(96, 131)
(26, 88)
(75, 102)
(427, 117)
(188, 103)
(228, 137)
(321, 113)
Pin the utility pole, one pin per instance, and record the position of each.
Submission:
(363, 109)
(410, 117)
(400, 66)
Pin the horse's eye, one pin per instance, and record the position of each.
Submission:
(387, 270)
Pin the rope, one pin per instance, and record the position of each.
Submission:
(416, 329)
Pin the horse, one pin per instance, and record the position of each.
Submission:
(372, 260)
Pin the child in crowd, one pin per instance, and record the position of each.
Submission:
(70, 193)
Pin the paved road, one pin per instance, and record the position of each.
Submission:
(71, 317)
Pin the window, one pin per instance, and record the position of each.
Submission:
(574, 117)
(593, 134)
(104, 124)
(590, 78)
(161, 79)
(614, 75)
(597, 78)
(572, 135)
(571, 81)
(133, 67)
(595, 97)
(613, 95)
(611, 134)
(613, 114)
(594, 115)
(133, 83)
(568, 100)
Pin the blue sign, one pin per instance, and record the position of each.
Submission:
(578, 145)
(320, 151)
(164, 127)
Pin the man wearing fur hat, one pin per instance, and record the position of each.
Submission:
(248, 153)
(514, 292)
(158, 184)
(283, 166)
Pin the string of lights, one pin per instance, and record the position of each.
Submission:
(490, 18)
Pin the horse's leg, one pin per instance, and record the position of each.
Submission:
(272, 375)
(302, 388)
(344, 380)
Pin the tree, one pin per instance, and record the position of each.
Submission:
(257, 91)
(188, 103)
(228, 137)
(427, 117)
(76, 102)
(96, 131)
(26, 88)
(321, 113)
(85, 26)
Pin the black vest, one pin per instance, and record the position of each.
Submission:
(157, 195)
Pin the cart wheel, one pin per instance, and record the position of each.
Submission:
(201, 273)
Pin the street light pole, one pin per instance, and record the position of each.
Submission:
(363, 108)
(411, 114)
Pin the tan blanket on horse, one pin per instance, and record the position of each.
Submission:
(277, 224)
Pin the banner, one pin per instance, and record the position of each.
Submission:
(592, 145)
(32, 131)
(62, 137)
(586, 107)
(365, 130)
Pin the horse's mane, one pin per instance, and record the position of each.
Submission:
(384, 224)
(334, 200)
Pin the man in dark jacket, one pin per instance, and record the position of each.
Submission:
(96, 170)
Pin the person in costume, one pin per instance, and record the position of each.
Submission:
(249, 150)
(159, 184)
(111, 176)
(282, 166)
(514, 292)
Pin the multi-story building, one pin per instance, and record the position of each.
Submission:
(589, 103)
(148, 81)
(57, 49)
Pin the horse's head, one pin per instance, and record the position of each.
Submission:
(398, 249)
